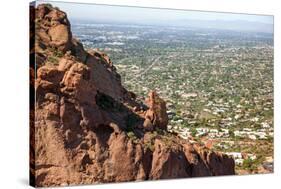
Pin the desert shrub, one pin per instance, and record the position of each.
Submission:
(132, 136)
(150, 146)
(249, 164)
(56, 52)
(53, 60)
(48, 5)
(252, 164)
(193, 132)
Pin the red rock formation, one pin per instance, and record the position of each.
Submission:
(86, 127)
(156, 115)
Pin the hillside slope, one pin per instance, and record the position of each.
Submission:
(87, 128)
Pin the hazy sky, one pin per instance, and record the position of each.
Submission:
(133, 14)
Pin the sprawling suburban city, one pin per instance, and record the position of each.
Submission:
(218, 84)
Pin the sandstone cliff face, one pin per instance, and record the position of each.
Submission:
(88, 129)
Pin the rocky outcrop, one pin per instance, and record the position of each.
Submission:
(156, 115)
(88, 129)
(54, 27)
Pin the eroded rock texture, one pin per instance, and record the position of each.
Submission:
(89, 129)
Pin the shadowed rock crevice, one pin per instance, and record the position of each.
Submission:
(103, 133)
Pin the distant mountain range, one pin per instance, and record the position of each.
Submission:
(235, 25)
